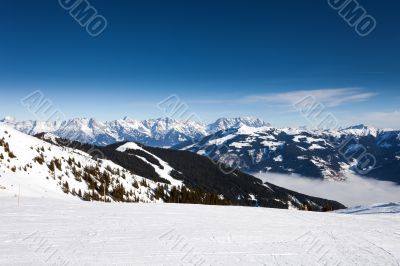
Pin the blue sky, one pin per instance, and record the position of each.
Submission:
(222, 58)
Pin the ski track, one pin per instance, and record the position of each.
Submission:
(56, 232)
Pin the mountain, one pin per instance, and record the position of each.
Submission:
(47, 166)
(162, 132)
(227, 123)
(319, 154)
(324, 154)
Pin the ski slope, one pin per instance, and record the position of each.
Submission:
(55, 232)
(24, 175)
(373, 209)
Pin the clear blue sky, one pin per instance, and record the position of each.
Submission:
(222, 58)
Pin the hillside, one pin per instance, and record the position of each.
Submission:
(327, 154)
(322, 154)
(132, 173)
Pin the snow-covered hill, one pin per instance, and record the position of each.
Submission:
(43, 232)
(35, 168)
(162, 132)
(320, 154)
(55, 168)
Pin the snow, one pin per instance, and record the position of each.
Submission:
(220, 141)
(315, 147)
(241, 122)
(248, 130)
(162, 131)
(163, 172)
(298, 138)
(361, 130)
(240, 145)
(278, 158)
(301, 148)
(309, 140)
(272, 145)
(374, 209)
(38, 181)
(41, 232)
(129, 146)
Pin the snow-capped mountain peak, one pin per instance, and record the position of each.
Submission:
(226, 123)
(163, 132)
(307, 152)
(361, 130)
(8, 119)
(129, 172)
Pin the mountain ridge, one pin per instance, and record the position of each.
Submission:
(322, 154)
(46, 166)
(160, 132)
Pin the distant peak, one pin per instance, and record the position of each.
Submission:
(8, 119)
(360, 126)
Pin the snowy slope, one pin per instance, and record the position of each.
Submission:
(311, 153)
(54, 232)
(50, 167)
(373, 209)
(35, 168)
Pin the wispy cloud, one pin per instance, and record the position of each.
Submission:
(383, 119)
(329, 97)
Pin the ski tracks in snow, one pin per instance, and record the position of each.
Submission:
(47, 232)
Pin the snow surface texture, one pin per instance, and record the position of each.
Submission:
(42, 232)
(373, 209)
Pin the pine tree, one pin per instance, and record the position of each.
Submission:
(143, 183)
(159, 192)
(86, 196)
(51, 166)
(39, 159)
(65, 187)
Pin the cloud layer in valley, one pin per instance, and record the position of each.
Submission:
(355, 191)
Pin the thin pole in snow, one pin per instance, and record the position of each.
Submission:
(19, 193)
(104, 191)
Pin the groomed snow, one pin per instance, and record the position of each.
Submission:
(129, 146)
(163, 172)
(56, 232)
(374, 209)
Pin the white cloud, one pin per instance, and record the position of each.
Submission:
(328, 97)
(383, 119)
(354, 191)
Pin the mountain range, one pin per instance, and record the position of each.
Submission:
(47, 166)
(162, 132)
(323, 154)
